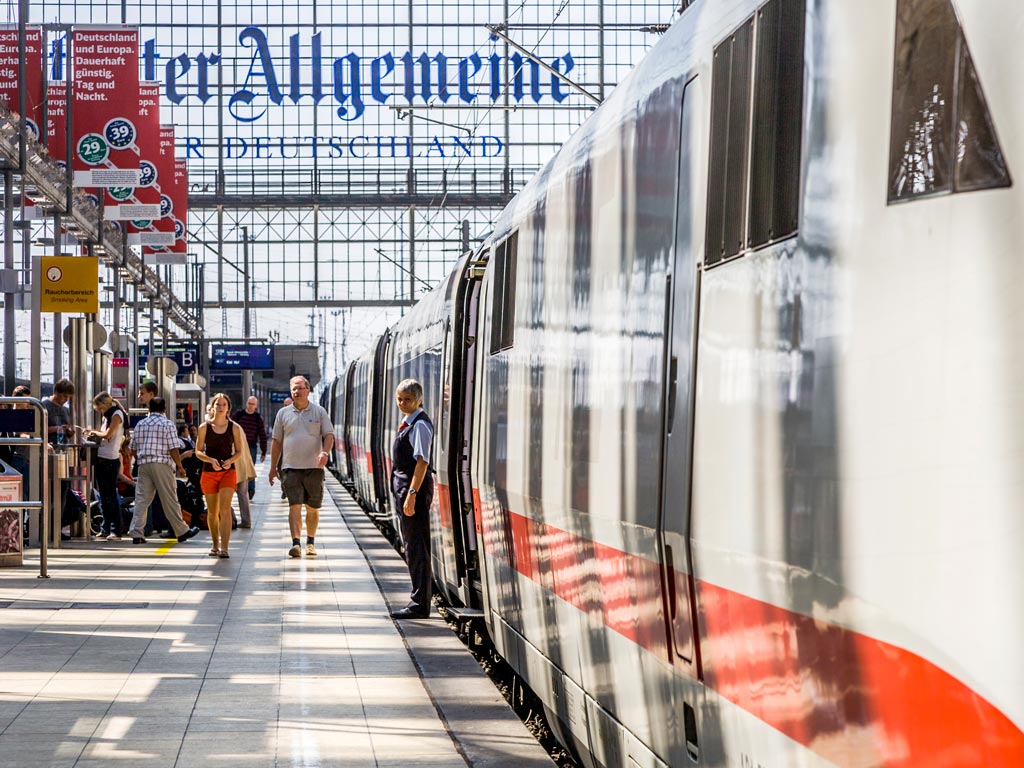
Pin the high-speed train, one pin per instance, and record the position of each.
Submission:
(729, 408)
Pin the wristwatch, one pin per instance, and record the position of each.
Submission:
(412, 491)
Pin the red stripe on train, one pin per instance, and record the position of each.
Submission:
(444, 505)
(849, 697)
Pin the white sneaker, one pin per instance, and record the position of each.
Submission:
(310, 550)
(295, 551)
(113, 537)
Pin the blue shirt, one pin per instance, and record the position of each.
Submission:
(421, 437)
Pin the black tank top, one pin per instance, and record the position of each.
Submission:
(219, 447)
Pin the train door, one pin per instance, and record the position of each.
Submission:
(380, 401)
(463, 392)
(682, 294)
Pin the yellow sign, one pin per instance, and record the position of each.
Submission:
(70, 284)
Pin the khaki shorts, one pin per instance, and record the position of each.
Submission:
(304, 486)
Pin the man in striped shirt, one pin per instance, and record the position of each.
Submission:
(157, 451)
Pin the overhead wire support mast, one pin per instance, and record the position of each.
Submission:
(496, 30)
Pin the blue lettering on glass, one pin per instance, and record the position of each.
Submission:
(465, 76)
(425, 77)
(230, 143)
(358, 147)
(57, 56)
(172, 77)
(203, 64)
(254, 37)
(353, 95)
(556, 85)
(149, 57)
(352, 146)
(377, 77)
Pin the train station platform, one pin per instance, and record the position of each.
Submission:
(157, 655)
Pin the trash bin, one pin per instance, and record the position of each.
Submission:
(11, 551)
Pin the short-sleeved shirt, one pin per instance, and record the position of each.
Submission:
(153, 440)
(301, 433)
(421, 436)
(57, 416)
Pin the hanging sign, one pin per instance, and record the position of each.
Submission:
(160, 231)
(70, 284)
(56, 121)
(33, 74)
(105, 100)
(140, 205)
(179, 200)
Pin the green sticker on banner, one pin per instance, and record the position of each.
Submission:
(120, 193)
(92, 149)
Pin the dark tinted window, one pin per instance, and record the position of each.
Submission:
(778, 111)
(503, 304)
(756, 131)
(942, 138)
(730, 116)
(980, 163)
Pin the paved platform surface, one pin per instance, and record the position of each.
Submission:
(157, 655)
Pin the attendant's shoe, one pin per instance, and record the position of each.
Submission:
(310, 550)
(188, 535)
(295, 551)
(245, 525)
(138, 540)
(410, 613)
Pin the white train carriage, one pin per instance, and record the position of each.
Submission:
(744, 446)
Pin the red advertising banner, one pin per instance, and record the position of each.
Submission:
(161, 231)
(33, 73)
(56, 120)
(180, 209)
(105, 100)
(129, 203)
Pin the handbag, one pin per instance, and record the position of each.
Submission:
(246, 469)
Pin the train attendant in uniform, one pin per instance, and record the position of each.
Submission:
(413, 487)
(219, 445)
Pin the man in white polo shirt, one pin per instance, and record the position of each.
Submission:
(302, 441)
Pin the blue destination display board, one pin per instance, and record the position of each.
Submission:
(241, 357)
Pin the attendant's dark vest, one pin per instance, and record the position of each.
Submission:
(403, 464)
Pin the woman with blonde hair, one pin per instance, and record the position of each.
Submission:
(108, 462)
(219, 445)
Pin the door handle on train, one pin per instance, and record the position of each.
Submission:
(673, 375)
(670, 576)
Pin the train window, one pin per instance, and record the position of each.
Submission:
(942, 138)
(778, 112)
(756, 132)
(503, 303)
(980, 163)
(730, 115)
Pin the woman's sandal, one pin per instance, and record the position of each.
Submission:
(213, 553)
(223, 553)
